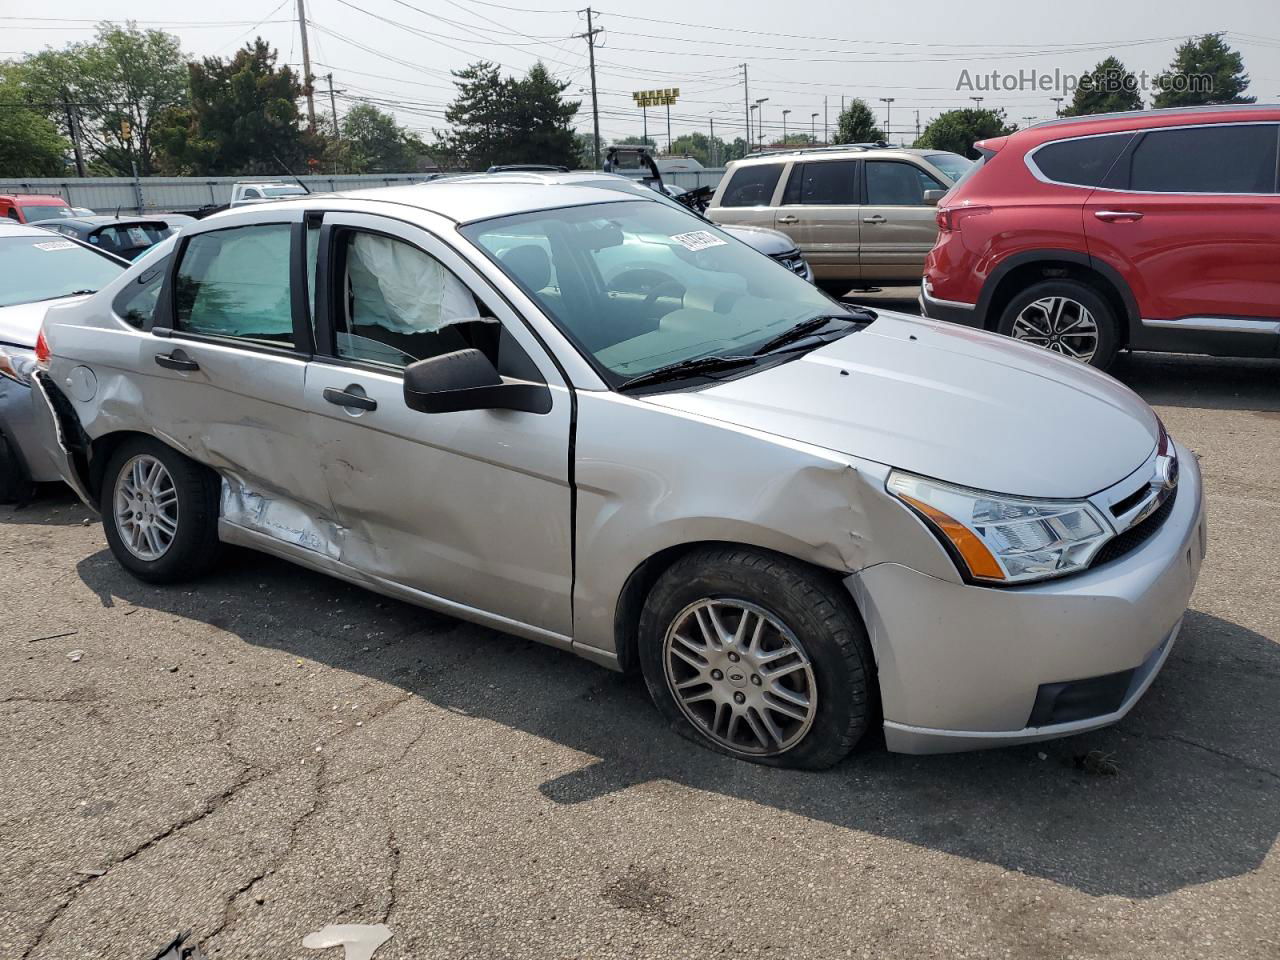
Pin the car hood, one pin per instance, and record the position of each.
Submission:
(948, 402)
(770, 242)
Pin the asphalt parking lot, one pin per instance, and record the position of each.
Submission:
(268, 752)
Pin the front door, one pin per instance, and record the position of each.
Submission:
(898, 227)
(471, 507)
(819, 211)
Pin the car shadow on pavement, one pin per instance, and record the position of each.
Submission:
(1216, 383)
(1186, 790)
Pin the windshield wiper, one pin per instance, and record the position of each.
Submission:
(59, 296)
(686, 368)
(806, 327)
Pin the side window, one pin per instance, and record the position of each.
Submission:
(1083, 162)
(752, 185)
(8, 213)
(895, 183)
(396, 304)
(827, 182)
(1210, 159)
(253, 193)
(235, 283)
(136, 303)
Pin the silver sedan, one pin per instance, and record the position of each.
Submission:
(593, 420)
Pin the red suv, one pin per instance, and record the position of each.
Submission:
(1152, 230)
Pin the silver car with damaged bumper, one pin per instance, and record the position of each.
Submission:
(593, 420)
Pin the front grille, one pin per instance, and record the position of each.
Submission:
(1136, 535)
(792, 261)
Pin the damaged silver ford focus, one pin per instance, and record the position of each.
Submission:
(595, 421)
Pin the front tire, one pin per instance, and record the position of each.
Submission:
(1067, 317)
(759, 657)
(160, 511)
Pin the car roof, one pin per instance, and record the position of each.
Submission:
(482, 196)
(36, 199)
(846, 151)
(1064, 127)
(12, 229)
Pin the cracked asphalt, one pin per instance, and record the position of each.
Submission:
(268, 751)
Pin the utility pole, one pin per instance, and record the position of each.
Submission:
(917, 125)
(746, 106)
(333, 105)
(590, 37)
(668, 125)
(306, 67)
(711, 147)
(73, 129)
(826, 136)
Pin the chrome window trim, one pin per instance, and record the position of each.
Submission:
(1035, 171)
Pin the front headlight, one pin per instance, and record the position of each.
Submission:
(999, 539)
(17, 364)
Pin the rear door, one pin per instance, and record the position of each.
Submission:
(1190, 217)
(222, 372)
(898, 227)
(819, 210)
(471, 507)
(749, 196)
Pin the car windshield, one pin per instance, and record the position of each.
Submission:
(952, 164)
(45, 269)
(34, 212)
(640, 284)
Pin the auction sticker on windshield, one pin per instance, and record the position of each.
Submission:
(55, 245)
(698, 240)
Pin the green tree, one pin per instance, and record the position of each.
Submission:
(1109, 88)
(30, 144)
(372, 142)
(1203, 71)
(701, 147)
(857, 124)
(121, 83)
(243, 119)
(637, 141)
(586, 156)
(498, 120)
(958, 130)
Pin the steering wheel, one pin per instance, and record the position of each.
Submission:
(657, 289)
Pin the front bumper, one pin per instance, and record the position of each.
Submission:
(952, 311)
(961, 666)
(18, 424)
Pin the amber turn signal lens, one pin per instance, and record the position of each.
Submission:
(973, 551)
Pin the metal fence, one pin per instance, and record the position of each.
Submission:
(186, 194)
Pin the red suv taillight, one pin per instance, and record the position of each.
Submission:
(42, 351)
(943, 217)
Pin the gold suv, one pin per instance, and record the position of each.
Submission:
(862, 214)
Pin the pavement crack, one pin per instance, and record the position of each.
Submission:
(393, 846)
(1178, 738)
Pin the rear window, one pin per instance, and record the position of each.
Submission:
(128, 240)
(752, 186)
(829, 182)
(1210, 159)
(38, 268)
(1083, 162)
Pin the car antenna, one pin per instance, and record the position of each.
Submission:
(277, 159)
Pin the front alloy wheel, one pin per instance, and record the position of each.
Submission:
(740, 676)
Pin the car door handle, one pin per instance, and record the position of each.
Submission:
(178, 360)
(1118, 216)
(788, 219)
(353, 400)
(873, 219)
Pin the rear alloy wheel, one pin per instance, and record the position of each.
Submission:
(758, 656)
(160, 511)
(1065, 317)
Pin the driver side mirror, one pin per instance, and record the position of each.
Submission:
(466, 380)
(931, 197)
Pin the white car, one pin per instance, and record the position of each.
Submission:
(797, 519)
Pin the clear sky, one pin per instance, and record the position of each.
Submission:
(398, 53)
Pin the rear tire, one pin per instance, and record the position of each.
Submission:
(793, 687)
(160, 511)
(1067, 317)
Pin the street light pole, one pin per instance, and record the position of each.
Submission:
(1057, 110)
(813, 127)
(888, 116)
(978, 101)
(750, 136)
(784, 127)
(760, 122)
